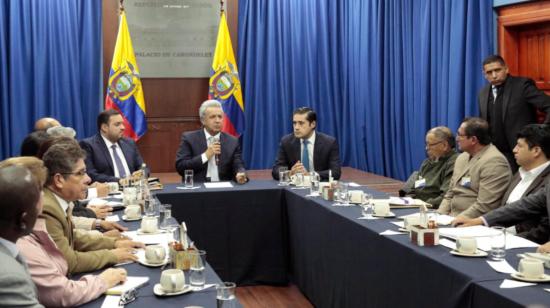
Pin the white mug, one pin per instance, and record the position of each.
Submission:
(381, 207)
(355, 196)
(155, 254)
(411, 221)
(132, 211)
(531, 268)
(149, 224)
(172, 280)
(466, 244)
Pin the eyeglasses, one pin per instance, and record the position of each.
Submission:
(79, 173)
(429, 145)
(128, 297)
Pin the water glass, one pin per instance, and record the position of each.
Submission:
(498, 243)
(225, 295)
(188, 178)
(314, 184)
(197, 274)
(299, 179)
(130, 196)
(282, 171)
(343, 192)
(367, 208)
(152, 207)
(284, 179)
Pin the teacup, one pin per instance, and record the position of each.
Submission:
(113, 187)
(355, 196)
(155, 254)
(381, 207)
(149, 224)
(172, 280)
(466, 244)
(411, 221)
(531, 268)
(132, 211)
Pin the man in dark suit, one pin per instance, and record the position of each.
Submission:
(212, 154)
(509, 103)
(110, 157)
(532, 153)
(306, 150)
(20, 193)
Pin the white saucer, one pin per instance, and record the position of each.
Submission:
(149, 233)
(389, 215)
(518, 276)
(125, 218)
(477, 254)
(157, 289)
(144, 262)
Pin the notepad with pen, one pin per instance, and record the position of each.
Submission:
(130, 283)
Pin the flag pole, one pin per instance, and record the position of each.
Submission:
(221, 7)
(121, 7)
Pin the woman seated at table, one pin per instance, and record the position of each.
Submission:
(46, 263)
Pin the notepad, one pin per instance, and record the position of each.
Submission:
(218, 185)
(132, 282)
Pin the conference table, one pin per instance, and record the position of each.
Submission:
(262, 233)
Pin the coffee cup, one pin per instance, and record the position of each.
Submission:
(411, 221)
(381, 207)
(531, 268)
(113, 187)
(172, 280)
(155, 254)
(149, 224)
(355, 196)
(466, 244)
(132, 211)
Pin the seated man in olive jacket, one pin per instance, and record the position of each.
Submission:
(67, 182)
(431, 182)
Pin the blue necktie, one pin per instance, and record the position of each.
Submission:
(305, 156)
(118, 163)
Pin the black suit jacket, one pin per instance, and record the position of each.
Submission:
(326, 155)
(98, 159)
(533, 206)
(193, 144)
(534, 229)
(520, 99)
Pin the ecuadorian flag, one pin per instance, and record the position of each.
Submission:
(124, 91)
(225, 85)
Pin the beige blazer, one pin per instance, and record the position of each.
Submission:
(489, 175)
(84, 253)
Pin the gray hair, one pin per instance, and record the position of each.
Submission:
(60, 131)
(207, 104)
(443, 133)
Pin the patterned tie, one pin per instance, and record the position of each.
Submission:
(118, 162)
(305, 156)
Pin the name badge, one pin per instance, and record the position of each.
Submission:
(421, 183)
(466, 182)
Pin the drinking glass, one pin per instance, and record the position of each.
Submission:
(196, 276)
(314, 184)
(130, 196)
(167, 222)
(498, 243)
(343, 193)
(225, 295)
(286, 178)
(367, 208)
(188, 178)
(299, 179)
(282, 171)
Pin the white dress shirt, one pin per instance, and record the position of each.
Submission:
(310, 145)
(212, 171)
(108, 143)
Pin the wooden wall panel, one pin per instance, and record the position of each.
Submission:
(172, 103)
(534, 54)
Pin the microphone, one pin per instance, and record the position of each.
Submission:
(217, 156)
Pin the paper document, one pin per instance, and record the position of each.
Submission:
(353, 184)
(131, 282)
(502, 266)
(512, 242)
(447, 243)
(369, 217)
(391, 232)
(113, 218)
(111, 301)
(442, 220)
(509, 283)
(218, 185)
(400, 224)
(160, 238)
(474, 231)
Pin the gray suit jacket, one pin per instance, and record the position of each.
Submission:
(535, 229)
(535, 205)
(489, 175)
(16, 286)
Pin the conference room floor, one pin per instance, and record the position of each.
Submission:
(290, 296)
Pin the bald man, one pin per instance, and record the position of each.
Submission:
(44, 123)
(20, 199)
